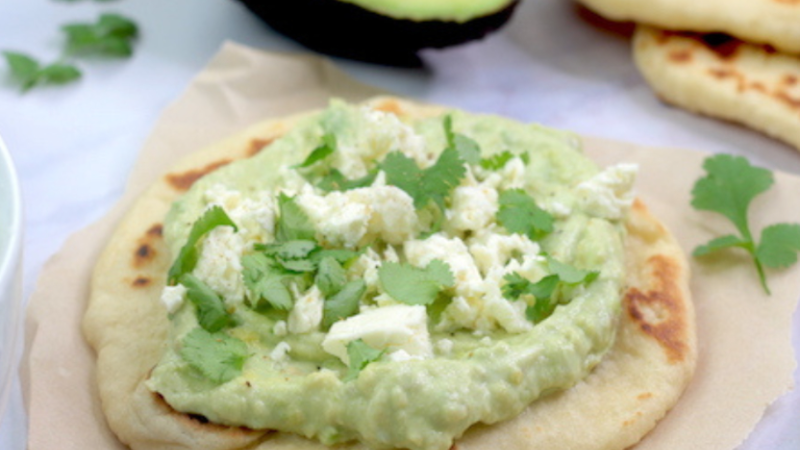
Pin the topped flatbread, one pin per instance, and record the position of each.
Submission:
(772, 22)
(617, 318)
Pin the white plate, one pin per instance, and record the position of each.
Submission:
(10, 274)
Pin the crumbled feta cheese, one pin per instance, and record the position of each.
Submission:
(306, 315)
(444, 346)
(452, 251)
(219, 264)
(510, 176)
(393, 217)
(558, 209)
(391, 328)
(491, 250)
(281, 351)
(172, 297)
(255, 218)
(366, 267)
(609, 194)
(280, 328)
(472, 208)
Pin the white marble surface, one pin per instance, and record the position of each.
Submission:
(73, 146)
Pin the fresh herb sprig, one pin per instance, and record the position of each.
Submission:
(730, 185)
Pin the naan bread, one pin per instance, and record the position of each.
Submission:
(724, 77)
(773, 22)
(635, 385)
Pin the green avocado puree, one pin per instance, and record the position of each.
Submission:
(415, 404)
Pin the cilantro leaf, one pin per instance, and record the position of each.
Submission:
(519, 213)
(293, 223)
(543, 291)
(28, 72)
(211, 312)
(497, 161)
(729, 186)
(292, 255)
(331, 276)
(188, 255)
(217, 356)
(423, 185)
(571, 275)
(327, 148)
(360, 355)
(111, 35)
(336, 181)
(467, 149)
(344, 304)
(342, 256)
(779, 245)
(413, 285)
(266, 282)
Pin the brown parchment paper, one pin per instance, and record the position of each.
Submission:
(745, 354)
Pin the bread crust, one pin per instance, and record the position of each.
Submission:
(636, 384)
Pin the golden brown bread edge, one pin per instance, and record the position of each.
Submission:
(636, 384)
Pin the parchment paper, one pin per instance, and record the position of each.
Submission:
(745, 354)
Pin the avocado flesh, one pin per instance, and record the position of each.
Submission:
(348, 30)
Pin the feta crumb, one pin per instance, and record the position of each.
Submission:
(391, 328)
(444, 346)
(306, 315)
(172, 297)
(472, 208)
(255, 218)
(609, 194)
(491, 250)
(280, 329)
(281, 351)
(454, 252)
(219, 264)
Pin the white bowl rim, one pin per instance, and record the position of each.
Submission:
(12, 256)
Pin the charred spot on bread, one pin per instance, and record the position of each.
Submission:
(156, 230)
(144, 254)
(660, 311)
(256, 145)
(141, 281)
(183, 181)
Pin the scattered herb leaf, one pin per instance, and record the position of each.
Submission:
(28, 72)
(519, 213)
(360, 355)
(188, 255)
(344, 303)
(293, 223)
(331, 276)
(217, 356)
(466, 147)
(111, 35)
(266, 281)
(211, 312)
(729, 186)
(336, 181)
(497, 161)
(292, 255)
(413, 285)
(327, 148)
(423, 185)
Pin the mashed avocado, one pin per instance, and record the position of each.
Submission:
(392, 281)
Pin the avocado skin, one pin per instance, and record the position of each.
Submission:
(346, 30)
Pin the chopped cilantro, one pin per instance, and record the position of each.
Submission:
(467, 148)
(424, 185)
(336, 181)
(342, 256)
(327, 148)
(293, 223)
(187, 257)
(344, 304)
(360, 355)
(499, 160)
(217, 356)
(292, 255)
(111, 35)
(28, 72)
(519, 213)
(331, 276)
(211, 312)
(728, 188)
(545, 290)
(266, 281)
(413, 285)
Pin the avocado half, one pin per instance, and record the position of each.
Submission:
(382, 31)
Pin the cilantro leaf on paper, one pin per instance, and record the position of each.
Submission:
(188, 255)
(28, 72)
(327, 148)
(519, 213)
(293, 223)
(217, 356)
(360, 355)
(111, 35)
(728, 188)
(266, 281)
(344, 303)
(211, 312)
(413, 285)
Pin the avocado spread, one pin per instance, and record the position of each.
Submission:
(392, 280)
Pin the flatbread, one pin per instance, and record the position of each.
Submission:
(637, 383)
(725, 78)
(773, 22)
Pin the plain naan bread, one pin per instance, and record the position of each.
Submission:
(636, 384)
(724, 77)
(774, 22)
